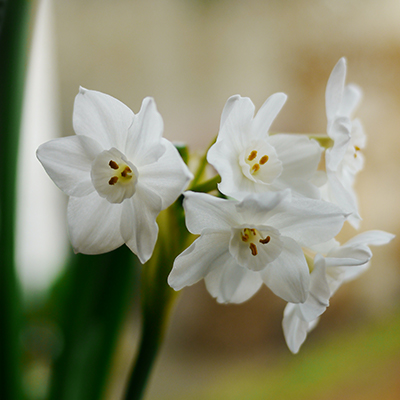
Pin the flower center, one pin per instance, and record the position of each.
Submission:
(113, 176)
(253, 237)
(255, 162)
(260, 163)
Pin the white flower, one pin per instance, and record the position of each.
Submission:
(341, 264)
(259, 239)
(344, 159)
(250, 161)
(118, 171)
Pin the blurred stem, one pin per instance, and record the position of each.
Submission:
(99, 291)
(207, 186)
(157, 297)
(201, 167)
(14, 19)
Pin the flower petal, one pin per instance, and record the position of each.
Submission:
(335, 88)
(371, 238)
(266, 115)
(351, 97)
(168, 177)
(308, 221)
(237, 124)
(102, 118)
(68, 162)
(288, 276)
(295, 329)
(229, 106)
(230, 283)
(94, 224)
(300, 156)
(138, 223)
(197, 260)
(204, 211)
(144, 145)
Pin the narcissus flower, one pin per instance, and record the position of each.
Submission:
(258, 240)
(249, 160)
(118, 171)
(344, 159)
(340, 264)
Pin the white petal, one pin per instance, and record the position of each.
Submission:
(94, 224)
(344, 197)
(238, 123)
(68, 161)
(340, 134)
(288, 276)
(300, 156)
(204, 211)
(144, 145)
(371, 238)
(168, 177)
(138, 223)
(335, 88)
(266, 115)
(230, 283)
(351, 97)
(318, 298)
(254, 208)
(295, 329)
(103, 118)
(193, 264)
(229, 105)
(348, 256)
(308, 221)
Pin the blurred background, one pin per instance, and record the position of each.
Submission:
(191, 55)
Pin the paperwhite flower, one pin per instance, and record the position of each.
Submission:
(259, 239)
(341, 264)
(250, 161)
(118, 171)
(344, 159)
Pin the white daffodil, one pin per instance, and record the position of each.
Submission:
(341, 264)
(344, 159)
(250, 161)
(258, 240)
(118, 171)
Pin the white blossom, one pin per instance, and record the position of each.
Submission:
(344, 159)
(118, 171)
(258, 240)
(249, 160)
(340, 264)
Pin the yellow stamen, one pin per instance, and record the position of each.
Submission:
(113, 180)
(264, 159)
(253, 249)
(126, 171)
(266, 240)
(113, 164)
(357, 148)
(245, 237)
(255, 168)
(252, 155)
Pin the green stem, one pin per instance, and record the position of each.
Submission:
(157, 297)
(207, 186)
(98, 294)
(201, 167)
(13, 49)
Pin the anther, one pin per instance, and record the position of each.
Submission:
(252, 155)
(253, 249)
(264, 159)
(113, 180)
(253, 231)
(266, 240)
(255, 168)
(126, 171)
(113, 165)
(357, 148)
(245, 237)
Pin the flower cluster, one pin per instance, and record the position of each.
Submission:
(278, 222)
(273, 223)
